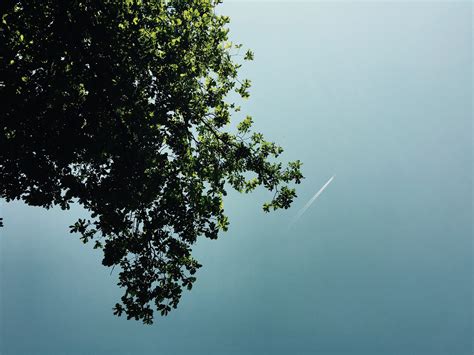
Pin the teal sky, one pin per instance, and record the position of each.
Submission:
(378, 94)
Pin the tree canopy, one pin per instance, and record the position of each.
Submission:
(123, 106)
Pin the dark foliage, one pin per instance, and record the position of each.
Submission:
(121, 106)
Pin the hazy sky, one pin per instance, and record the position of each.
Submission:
(378, 94)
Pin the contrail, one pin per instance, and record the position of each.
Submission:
(310, 202)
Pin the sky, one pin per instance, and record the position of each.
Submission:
(378, 94)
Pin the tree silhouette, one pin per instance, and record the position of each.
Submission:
(122, 106)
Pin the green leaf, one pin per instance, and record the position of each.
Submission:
(249, 55)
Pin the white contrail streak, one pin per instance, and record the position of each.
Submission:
(310, 202)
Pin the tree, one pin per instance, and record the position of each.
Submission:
(122, 106)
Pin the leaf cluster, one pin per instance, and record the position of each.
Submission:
(121, 105)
